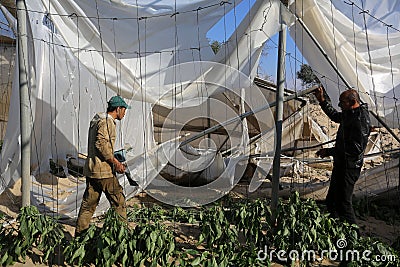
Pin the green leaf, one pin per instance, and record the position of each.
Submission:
(148, 243)
(79, 253)
(137, 257)
(286, 231)
(124, 259)
(152, 247)
(196, 261)
(153, 236)
(121, 233)
(201, 238)
(17, 250)
(160, 241)
(218, 231)
(4, 258)
(171, 247)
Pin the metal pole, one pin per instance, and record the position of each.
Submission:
(246, 114)
(24, 102)
(278, 120)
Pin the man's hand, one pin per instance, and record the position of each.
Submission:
(319, 94)
(323, 152)
(120, 168)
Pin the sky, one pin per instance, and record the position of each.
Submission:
(269, 60)
(4, 29)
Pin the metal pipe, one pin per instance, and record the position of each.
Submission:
(22, 37)
(307, 147)
(246, 114)
(278, 120)
(313, 160)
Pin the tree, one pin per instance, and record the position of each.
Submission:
(215, 46)
(307, 76)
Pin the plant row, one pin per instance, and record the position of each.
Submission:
(228, 233)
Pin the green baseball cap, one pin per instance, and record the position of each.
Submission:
(117, 101)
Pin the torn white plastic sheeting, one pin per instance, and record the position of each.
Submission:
(70, 82)
(364, 49)
(379, 179)
(68, 196)
(109, 57)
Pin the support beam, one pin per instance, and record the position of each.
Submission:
(278, 120)
(24, 102)
(246, 114)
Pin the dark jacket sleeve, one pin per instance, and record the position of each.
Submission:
(331, 112)
(330, 151)
(335, 116)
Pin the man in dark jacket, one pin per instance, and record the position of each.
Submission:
(351, 141)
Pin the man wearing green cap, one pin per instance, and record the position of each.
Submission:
(101, 165)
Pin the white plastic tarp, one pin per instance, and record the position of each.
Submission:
(364, 50)
(83, 52)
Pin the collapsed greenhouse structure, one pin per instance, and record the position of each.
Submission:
(201, 122)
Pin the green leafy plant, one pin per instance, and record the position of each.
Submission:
(102, 246)
(232, 232)
(248, 256)
(80, 250)
(117, 244)
(146, 214)
(191, 257)
(184, 216)
(217, 235)
(35, 231)
(301, 226)
(215, 228)
(251, 218)
(112, 241)
(376, 253)
(151, 243)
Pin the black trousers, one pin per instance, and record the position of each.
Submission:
(340, 193)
